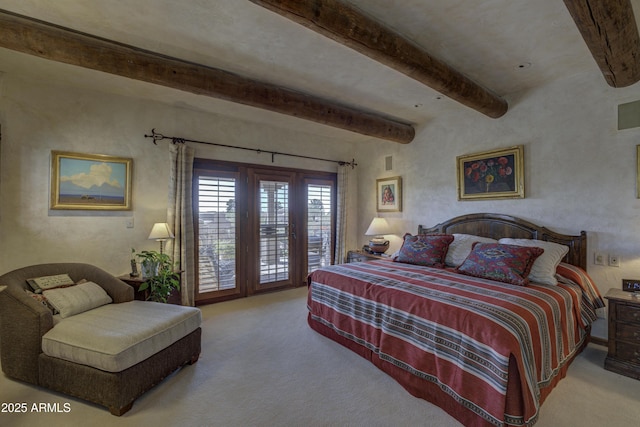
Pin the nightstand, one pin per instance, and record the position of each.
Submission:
(135, 282)
(624, 333)
(359, 256)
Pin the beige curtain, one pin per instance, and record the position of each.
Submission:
(180, 218)
(345, 206)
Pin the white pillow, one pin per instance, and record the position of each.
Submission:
(544, 267)
(460, 248)
(77, 299)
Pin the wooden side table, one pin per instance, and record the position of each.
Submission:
(624, 333)
(135, 282)
(361, 256)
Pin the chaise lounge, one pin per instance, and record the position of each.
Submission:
(109, 355)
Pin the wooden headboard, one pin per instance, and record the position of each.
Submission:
(497, 226)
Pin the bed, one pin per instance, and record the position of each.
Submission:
(486, 348)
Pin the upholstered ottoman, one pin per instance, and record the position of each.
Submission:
(115, 337)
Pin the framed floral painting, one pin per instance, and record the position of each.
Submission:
(90, 181)
(496, 174)
(389, 194)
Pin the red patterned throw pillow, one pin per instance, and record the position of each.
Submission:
(425, 249)
(501, 262)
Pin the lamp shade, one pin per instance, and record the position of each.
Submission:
(160, 231)
(378, 227)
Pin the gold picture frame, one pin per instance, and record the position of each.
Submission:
(90, 181)
(495, 174)
(389, 194)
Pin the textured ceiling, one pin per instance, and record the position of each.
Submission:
(507, 46)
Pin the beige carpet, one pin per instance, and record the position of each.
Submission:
(261, 365)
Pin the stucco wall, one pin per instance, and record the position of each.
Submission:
(38, 117)
(580, 171)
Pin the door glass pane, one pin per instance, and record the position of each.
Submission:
(274, 231)
(217, 233)
(318, 226)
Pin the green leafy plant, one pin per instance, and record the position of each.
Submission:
(160, 278)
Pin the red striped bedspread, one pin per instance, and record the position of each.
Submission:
(456, 331)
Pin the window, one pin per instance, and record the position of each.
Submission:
(216, 233)
(319, 225)
(259, 228)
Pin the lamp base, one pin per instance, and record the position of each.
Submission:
(378, 247)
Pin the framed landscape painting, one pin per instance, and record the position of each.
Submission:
(389, 194)
(496, 174)
(90, 181)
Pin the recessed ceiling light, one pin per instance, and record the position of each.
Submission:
(523, 65)
(418, 105)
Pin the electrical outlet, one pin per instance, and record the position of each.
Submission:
(129, 222)
(598, 258)
(614, 261)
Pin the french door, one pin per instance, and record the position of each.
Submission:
(273, 241)
(259, 228)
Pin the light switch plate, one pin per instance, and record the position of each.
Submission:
(598, 258)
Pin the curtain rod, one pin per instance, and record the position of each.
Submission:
(175, 140)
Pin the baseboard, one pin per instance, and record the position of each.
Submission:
(599, 341)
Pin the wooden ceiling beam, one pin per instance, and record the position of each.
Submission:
(34, 37)
(609, 28)
(348, 26)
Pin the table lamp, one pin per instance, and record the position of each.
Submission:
(161, 233)
(378, 228)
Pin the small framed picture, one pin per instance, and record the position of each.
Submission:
(389, 194)
(496, 174)
(90, 181)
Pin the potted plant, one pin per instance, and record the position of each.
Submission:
(160, 278)
(148, 263)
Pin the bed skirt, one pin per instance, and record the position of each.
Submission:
(431, 392)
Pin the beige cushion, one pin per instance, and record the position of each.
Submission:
(77, 299)
(115, 337)
(544, 268)
(460, 248)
